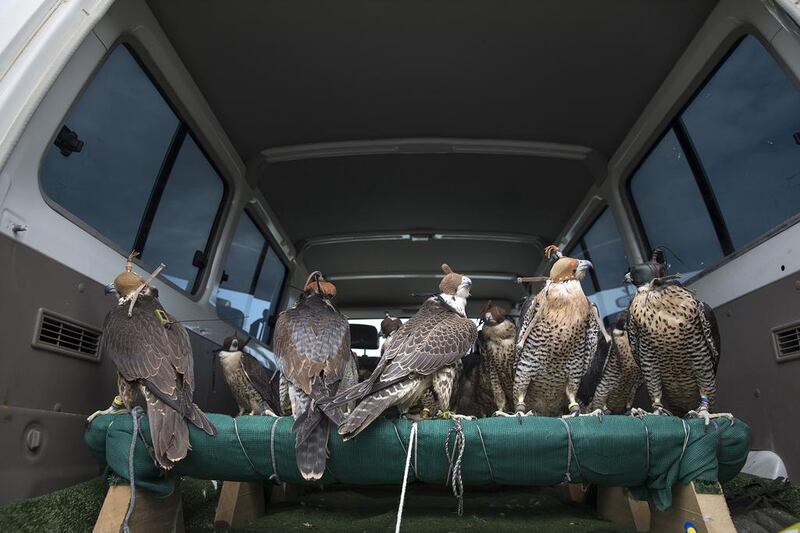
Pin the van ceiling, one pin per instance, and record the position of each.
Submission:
(292, 73)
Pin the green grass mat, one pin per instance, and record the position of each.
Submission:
(428, 509)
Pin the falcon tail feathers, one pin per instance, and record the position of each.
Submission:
(312, 452)
(199, 419)
(168, 430)
(371, 408)
(184, 405)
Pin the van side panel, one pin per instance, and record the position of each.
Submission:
(751, 383)
(46, 396)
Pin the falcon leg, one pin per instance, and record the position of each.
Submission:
(702, 412)
(116, 407)
(574, 407)
(597, 412)
(652, 379)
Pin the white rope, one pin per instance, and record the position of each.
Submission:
(411, 438)
(454, 459)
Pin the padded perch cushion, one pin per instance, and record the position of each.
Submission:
(646, 454)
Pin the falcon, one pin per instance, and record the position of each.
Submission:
(444, 383)
(496, 367)
(312, 341)
(557, 339)
(434, 339)
(389, 325)
(248, 379)
(621, 377)
(154, 363)
(675, 340)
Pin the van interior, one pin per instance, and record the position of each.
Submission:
(247, 144)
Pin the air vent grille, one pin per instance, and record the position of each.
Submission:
(64, 335)
(787, 342)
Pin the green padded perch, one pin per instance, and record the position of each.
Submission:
(647, 455)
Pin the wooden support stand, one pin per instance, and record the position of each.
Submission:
(708, 512)
(240, 503)
(575, 493)
(617, 505)
(149, 514)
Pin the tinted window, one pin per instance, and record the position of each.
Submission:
(127, 166)
(126, 128)
(248, 294)
(726, 172)
(741, 125)
(672, 209)
(185, 217)
(602, 245)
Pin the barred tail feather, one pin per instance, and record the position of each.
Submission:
(197, 417)
(311, 428)
(373, 406)
(168, 430)
(312, 452)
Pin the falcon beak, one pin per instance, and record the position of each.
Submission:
(110, 289)
(627, 278)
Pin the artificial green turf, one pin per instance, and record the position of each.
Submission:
(73, 509)
(748, 491)
(428, 509)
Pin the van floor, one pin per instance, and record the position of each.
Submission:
(431, 509)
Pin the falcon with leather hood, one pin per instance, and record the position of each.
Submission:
(675, 340)
(621, 377)
(248, 379)
(557, 340)
(496, 367)
(434, 339)
(155, 366)
(312, 341)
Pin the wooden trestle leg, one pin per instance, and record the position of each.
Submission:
(150, 513)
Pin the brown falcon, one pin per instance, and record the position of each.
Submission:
(675, 340)
(620, 378)
(154, 363)
(557, 339)
(389, 325)
(435, 338)
(496, 367)
(312, 341)
(249, 381)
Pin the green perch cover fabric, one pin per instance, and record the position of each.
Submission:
(647, 455)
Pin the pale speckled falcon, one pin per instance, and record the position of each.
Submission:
(496, 367)
(556, 341)
(675, 340)
(621, 377)
(436, 337)
(312, 342)
(249, 381)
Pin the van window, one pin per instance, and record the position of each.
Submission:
(742, 126)
(249, 292)
(726, 171)
(181, 229)
(127, 167)
(126, 128)
(601, 244)
(672, 209)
